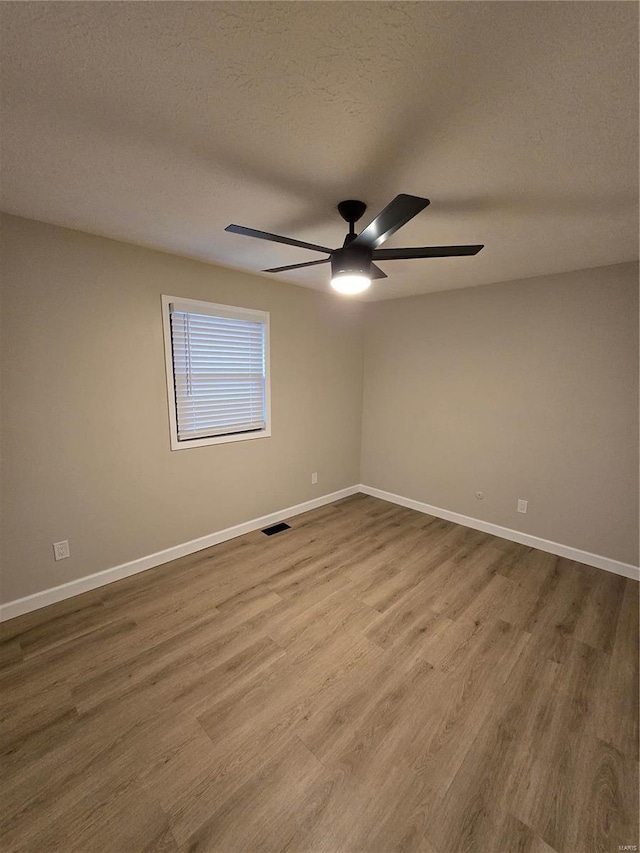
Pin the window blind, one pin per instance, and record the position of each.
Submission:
(219, 373)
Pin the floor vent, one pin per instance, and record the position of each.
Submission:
(276, 528)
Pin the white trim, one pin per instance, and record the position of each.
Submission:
(57, 593)
(221, 311)
(596, 560)
(215, 309)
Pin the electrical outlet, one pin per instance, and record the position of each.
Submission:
(61, 550)
(522, 505)
(314, 478)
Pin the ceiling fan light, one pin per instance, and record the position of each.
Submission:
(350, 283)
(351, 269)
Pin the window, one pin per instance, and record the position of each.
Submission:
(217, 360)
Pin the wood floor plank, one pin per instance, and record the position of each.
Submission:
(560, 750)
(371, 680)
(476, 807)
(408, 623)
(261, 813)
(609, 805)
(123, 820)
(596, 624)
(618, 708)
(56, 619)
(10, 653)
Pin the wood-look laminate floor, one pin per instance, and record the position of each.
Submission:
(371, 680)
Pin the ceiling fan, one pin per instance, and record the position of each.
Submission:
(352, 266)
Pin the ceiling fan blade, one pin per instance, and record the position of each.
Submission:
(425, 252)
(376, 272)
(394, 216)
(298, 266)
(275, 238)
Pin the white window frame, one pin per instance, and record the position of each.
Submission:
(219, 311)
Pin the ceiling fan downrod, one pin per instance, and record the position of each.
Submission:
(351, 211)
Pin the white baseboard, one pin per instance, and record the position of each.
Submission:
(596, 560)
(76, 587)
(67, 590)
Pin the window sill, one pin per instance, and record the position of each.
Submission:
(189, 444)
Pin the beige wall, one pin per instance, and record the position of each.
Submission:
(85, 437)
(526, 389)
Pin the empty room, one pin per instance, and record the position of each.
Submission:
(320, 453)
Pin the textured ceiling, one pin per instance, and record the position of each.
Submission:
(161, 123)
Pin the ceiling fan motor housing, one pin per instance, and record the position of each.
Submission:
(351, 260)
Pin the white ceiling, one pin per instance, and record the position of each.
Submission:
(161, 123)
